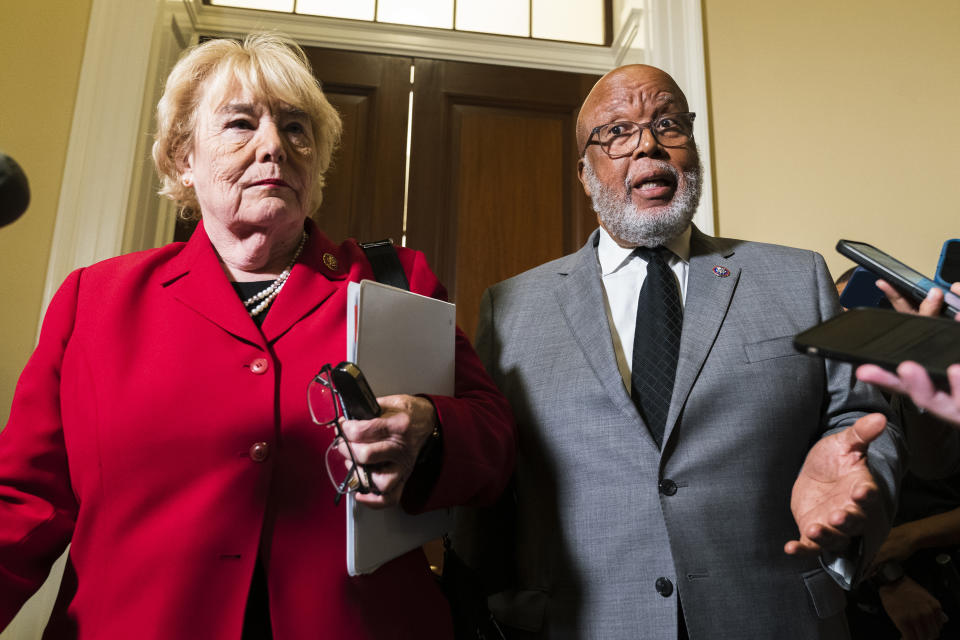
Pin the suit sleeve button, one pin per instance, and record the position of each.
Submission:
(664, 587)
(668, 487)
(259, 451)
(259, 366)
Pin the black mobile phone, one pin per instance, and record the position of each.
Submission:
(906, 280)
(359, 402)
(948, 266)
(861, 291)
(886, 338)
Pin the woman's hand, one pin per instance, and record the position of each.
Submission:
(388, 445)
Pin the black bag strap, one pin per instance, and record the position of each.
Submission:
(385, 263)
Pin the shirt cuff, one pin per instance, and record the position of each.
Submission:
(842, 567)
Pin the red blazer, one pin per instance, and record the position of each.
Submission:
(165, 436)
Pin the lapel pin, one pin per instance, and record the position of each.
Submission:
(330, 261)
(721, 272)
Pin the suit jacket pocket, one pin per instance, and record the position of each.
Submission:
(771, 348)
(520, 609)
(827, 596)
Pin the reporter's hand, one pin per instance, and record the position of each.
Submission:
(898, 546)
(916, 613)
(389, 444)
(929, 307)
(913, 380)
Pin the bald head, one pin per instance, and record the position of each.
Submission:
(627, 89)
(646, 189)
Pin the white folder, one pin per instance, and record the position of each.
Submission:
(403, 343)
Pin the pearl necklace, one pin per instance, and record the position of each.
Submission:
(258, 303)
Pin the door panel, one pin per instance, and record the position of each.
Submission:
(364, 193)
(491, 243)
(493, 188)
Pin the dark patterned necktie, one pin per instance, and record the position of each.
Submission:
(656, 341)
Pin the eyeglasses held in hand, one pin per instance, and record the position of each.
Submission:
(621, 139)
(326, 404)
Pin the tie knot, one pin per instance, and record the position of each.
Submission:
(653, 253)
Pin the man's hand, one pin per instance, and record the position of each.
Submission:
(835, 490)
(916, 613)
(389, 444)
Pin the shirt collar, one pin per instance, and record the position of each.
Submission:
(613, 257)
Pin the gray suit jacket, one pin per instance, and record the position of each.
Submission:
(603, 516)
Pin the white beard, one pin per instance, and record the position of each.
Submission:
(651, 227)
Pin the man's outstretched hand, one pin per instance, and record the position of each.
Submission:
(835, 491)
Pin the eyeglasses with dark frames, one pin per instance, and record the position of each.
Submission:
(326, 409)
(620, 139)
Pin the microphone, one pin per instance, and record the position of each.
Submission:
(14, 190)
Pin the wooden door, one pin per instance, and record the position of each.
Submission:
(493, 187)
(364, 196)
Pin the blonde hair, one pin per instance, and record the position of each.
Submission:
(269, 66)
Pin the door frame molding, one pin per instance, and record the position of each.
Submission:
(107, 204)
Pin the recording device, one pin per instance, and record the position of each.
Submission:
(906, 280)
(886, 338)
(948, 267)
(359, 403)
(14, 190)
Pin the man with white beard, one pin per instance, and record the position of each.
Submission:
(683, 472)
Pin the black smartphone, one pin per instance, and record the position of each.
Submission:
(908, 281)
(948, 266)
(886, 338)
(861, 291)
(359, 402)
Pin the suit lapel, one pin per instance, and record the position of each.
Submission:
(312, 280)
(711, 281)
(580, 296)
(196, 279)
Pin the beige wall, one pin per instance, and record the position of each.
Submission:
(836, 119)
(41, 51)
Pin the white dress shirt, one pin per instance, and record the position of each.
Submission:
(622, 275)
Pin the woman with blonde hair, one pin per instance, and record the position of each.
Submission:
(162, 428)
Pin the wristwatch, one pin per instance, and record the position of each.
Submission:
(887, 573)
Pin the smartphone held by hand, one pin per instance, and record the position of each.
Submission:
(861, 291)
(948, 266)
(886, 338)
(359, 401)
(908, 281)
